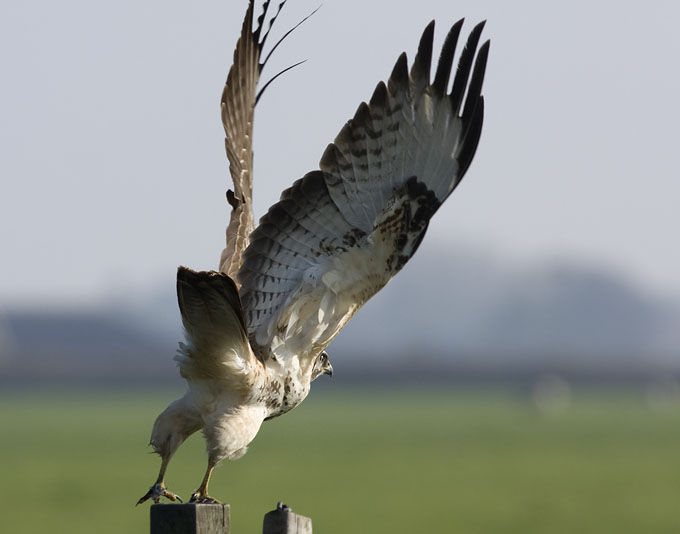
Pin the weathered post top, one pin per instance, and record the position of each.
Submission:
(284, 521)
(190, 519)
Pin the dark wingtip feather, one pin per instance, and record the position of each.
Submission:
(261, 91)
(260, 19)
(420, 71)
(379, 97)
(362, 114)
(328, 157)
(441, 78)
(465, 65)
(345, 136)
(284, 35)
(399, 76)
(471, 139)
(476, 82)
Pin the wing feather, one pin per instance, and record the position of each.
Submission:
(239, 99)
(339, 234)
(238, 109)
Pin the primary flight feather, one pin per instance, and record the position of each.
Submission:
(256, 329)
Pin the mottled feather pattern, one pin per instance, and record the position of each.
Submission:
(350, 271)
(255, 330)
(288, 232)
(339, 235)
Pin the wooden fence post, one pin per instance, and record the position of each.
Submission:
(214, 519)
(284, 521)
(190, 519)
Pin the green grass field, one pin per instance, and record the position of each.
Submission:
(396, 461)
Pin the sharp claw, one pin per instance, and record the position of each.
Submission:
(156, 492)
(170, 495)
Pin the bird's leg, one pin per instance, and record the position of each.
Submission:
(201, 494)
(158, 489)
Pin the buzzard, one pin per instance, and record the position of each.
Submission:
(257, 329)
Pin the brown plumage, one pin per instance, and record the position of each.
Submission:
(256, 330)
(238, 112)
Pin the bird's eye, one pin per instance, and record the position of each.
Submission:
(323, 357)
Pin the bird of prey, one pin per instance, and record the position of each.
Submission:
(256, 330)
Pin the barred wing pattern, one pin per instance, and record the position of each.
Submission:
(339, 234)
(238, 109)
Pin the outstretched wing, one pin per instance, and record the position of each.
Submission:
(339, 234)
(238, 109)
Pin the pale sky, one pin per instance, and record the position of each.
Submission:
(112, 162)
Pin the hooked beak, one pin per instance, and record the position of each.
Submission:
(329, 370)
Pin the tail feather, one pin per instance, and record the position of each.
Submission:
(217, 343)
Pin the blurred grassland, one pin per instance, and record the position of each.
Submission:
(395, 460)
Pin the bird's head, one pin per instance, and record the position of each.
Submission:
(322, 366)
